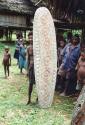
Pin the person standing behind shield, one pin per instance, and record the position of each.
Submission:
(30, 67)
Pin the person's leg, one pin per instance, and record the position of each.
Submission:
(30, 92)
(31, 82)
(8, 70)
(57, 82)
(20, 70)
(62, 83)
(17, 62)
(65, 86)
(72, 82)
(5, 70)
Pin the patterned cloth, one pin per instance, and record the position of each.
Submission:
(22, 58)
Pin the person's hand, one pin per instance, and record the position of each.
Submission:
(61, 67)
(27, 74)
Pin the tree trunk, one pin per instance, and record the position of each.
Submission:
(6, 34)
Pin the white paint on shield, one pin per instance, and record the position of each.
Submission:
(45, 56)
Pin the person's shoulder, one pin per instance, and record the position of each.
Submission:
(29, 46)
(67, 45)
(9, 53)
(78, 45)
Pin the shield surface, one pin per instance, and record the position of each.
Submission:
(45, 56)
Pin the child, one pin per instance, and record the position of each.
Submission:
(60, 49)
(81, 68)
(6, 61)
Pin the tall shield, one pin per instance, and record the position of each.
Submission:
(45, 56)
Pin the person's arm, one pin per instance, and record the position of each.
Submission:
(3, 60)
(10, 59)
(78, 64)
(27, 53)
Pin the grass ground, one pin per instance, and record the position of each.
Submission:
(13, 98)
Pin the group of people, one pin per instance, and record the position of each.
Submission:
(20, 53)
(24, 56)
(71, 66)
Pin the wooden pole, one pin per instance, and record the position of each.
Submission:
(6, 34)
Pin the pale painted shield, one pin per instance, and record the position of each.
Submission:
(45, 56)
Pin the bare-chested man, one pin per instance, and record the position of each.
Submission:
(30, 66)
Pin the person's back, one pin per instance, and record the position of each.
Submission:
(81, 68)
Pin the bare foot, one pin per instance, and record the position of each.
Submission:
(28, 102)
(5, 77)
(21, 73)
(36, 99)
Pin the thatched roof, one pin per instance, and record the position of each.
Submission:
(38, 2)
(74, 7)
(17, 6)
(70, 13)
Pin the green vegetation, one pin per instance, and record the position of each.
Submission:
(13, 98)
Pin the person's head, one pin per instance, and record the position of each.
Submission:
(6, 49)
(76, 40)
(19, 35)
(30, 37)
(21, 41)
(62, 43)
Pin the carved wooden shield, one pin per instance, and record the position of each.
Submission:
(45, 56)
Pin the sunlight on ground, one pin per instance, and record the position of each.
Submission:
(13, 99)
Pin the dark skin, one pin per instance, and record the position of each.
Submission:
(30, 89)
(30, 69)
(30, 60)
(6, 62)
(81, 68)
(31, 77)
